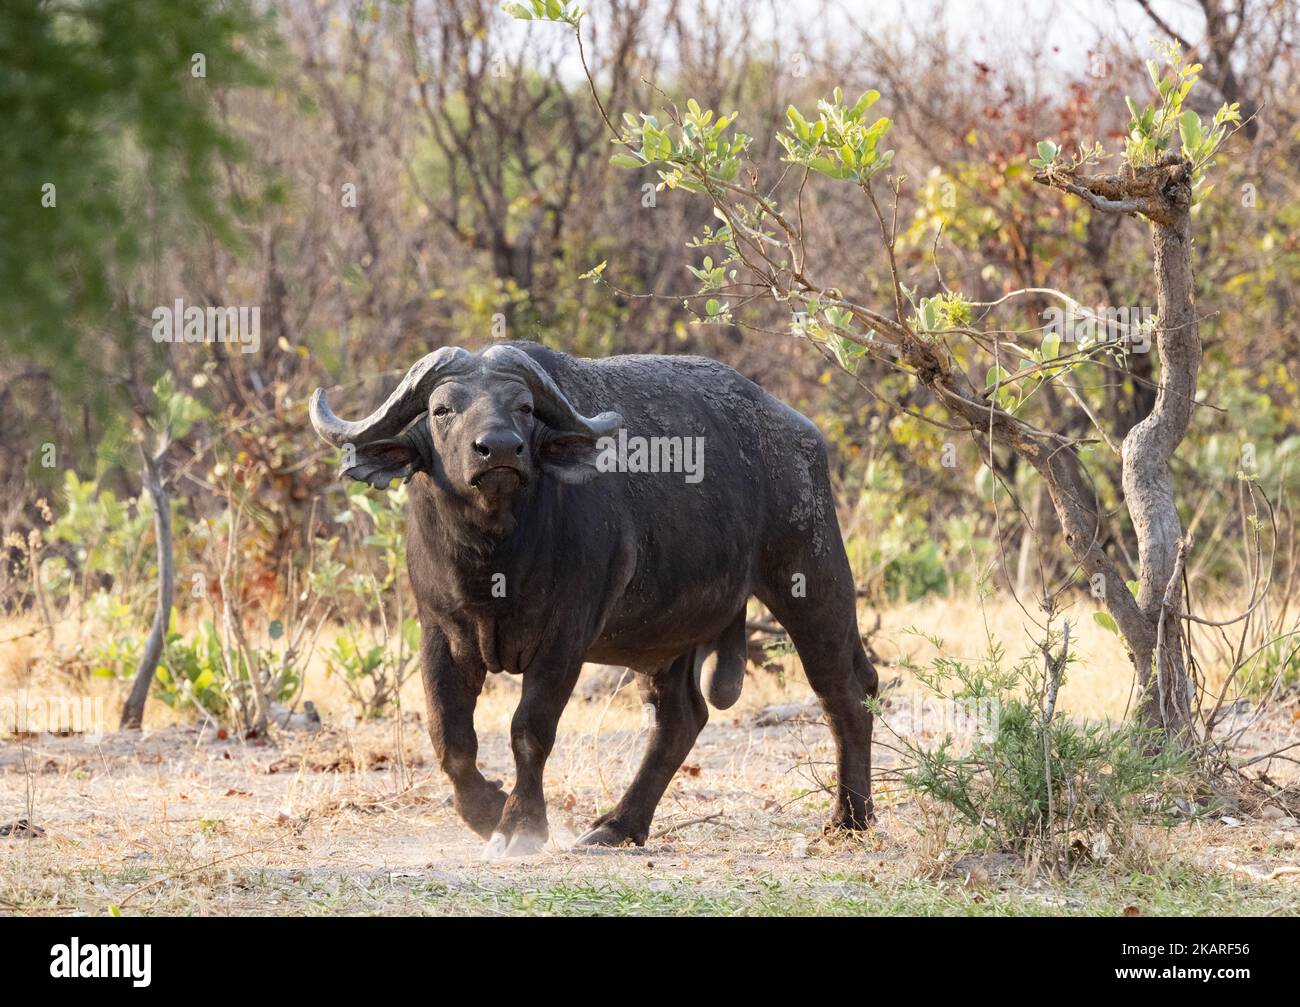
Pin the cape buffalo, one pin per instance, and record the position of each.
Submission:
(535, 545)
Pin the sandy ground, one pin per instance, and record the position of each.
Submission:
(350, 805)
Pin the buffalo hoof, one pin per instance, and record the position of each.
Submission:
(522, 844)
(607, 835)
(846, 825)
(481, 808)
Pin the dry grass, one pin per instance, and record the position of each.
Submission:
(1100, 681)
(1099, 684)
(357, 819)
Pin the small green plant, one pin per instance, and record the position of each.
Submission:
(1030, 781)
(193, 672)
(546, 10)
(1159, 127)
(117, 649)
(372, 672)
(100, 536)
(1153, 126)
(201, 672)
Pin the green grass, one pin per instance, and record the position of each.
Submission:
(1180, 894)
(847, 891)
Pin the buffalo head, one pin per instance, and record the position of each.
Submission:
(483, 425)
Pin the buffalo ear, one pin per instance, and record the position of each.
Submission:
(380, 462)
(571, 457)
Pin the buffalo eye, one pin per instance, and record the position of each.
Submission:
(442, 411)
(526, 409)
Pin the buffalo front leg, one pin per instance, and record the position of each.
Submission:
(523, 828)
(680, 714)
(451, 693)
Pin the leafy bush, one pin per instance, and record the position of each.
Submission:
(101, 535)
(117, 651)
(901, 551)
(197, 671)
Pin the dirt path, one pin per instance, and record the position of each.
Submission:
(329, 817)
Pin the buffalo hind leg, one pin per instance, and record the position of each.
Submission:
(823, 627)
(450, 693)
(523, 828)
(680, 714)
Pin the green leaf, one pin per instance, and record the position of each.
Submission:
(593, 274)
(868, 99)
(1047, 150)
(928, 317)
(1189, 129)
(847, 353)
(798, 123)
(626, 161)
(1106, 622)
(825, 166)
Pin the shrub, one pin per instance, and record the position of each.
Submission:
(193, 672)
(1031, 781)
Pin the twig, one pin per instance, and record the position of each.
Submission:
(682, 825)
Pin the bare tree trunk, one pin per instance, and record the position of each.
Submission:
(1154, 633)
(1147, 479)
(133, 708)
